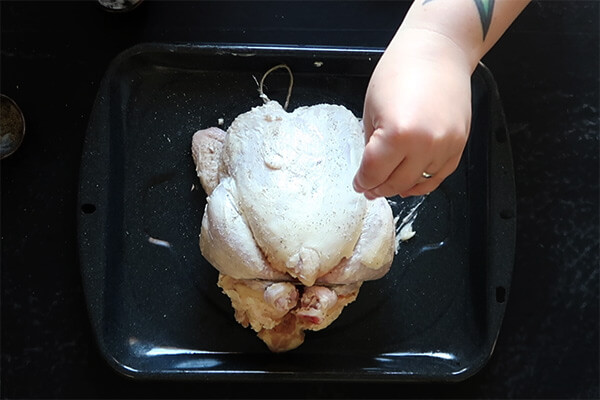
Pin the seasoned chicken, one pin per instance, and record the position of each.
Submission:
(291, 239)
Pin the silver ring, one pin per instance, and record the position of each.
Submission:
(426, 175)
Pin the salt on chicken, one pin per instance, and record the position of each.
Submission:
(291, 239)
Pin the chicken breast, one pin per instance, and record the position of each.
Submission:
(290, 237)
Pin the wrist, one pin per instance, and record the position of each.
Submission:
(431, 46)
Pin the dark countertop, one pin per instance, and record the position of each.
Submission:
(546, 66)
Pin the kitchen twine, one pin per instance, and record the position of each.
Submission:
(262, 94)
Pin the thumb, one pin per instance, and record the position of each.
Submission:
(379, 160)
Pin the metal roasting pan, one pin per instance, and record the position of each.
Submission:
(152, 298)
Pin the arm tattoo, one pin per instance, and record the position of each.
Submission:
(485, 8)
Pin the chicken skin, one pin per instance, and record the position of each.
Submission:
(292, 240)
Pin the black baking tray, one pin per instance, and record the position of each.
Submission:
(152, 298)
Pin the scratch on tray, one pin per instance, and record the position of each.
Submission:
(159, 242)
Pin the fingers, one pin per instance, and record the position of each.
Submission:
(394, 160)
(406, 175)
(379, 160)
(425, 186)
(408, 180)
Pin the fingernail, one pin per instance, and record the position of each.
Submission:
(357, 187)
(370, 195)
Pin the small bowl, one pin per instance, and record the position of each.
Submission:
(119, 5)
(12, 126)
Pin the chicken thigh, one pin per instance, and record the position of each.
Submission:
(290, 237)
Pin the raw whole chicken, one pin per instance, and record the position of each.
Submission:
(292, 240)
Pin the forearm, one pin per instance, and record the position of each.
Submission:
(471, 26)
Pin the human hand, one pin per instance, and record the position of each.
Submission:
(417, 116)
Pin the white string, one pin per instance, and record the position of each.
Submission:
(262, 94)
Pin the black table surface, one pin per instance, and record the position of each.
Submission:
(546, 66)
